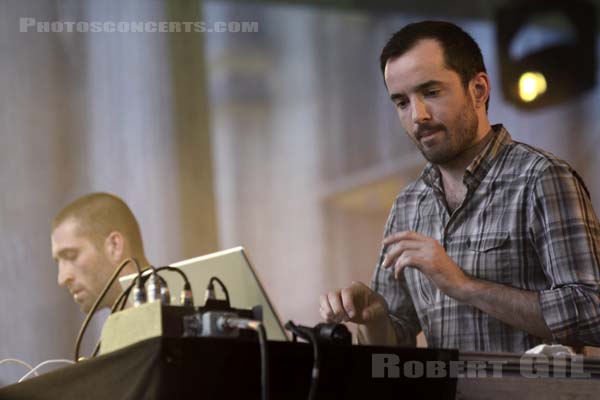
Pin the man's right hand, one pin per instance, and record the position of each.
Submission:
(363, 306)
(356, 303)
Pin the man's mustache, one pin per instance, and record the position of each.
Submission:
(426, 129)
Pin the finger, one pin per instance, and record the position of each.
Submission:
(404, 244)
(396, 251)
(335, 302)
(348, 302)
(403, 235)
(376, 309)
(394, 237)
(325, 309)
(407, 259)
(367, 314)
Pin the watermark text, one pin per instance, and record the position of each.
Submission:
(538, 366)
(33, 25)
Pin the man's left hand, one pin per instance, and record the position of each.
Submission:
(410, 249)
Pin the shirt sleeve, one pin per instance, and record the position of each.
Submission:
(566, 234)
(401, 308)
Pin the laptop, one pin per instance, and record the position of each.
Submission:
(235, 269)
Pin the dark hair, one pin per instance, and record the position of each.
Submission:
(461, 52)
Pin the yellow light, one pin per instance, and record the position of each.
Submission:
(531, 85)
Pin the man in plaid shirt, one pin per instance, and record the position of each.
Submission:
(500, 239)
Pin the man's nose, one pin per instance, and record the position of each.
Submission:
(420, 112)
(64, 274)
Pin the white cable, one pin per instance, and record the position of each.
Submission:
(33, 370)
(15, 360)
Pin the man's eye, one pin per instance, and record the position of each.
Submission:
(401, 104)
(432, 93)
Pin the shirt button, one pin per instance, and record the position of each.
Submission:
(449, 240)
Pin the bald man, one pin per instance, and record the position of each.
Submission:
(91, 237)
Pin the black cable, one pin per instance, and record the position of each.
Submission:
(316, 371)
(98, 301)
(187, 296)
(121, 301)
(174, 269)
(124, 297)
(119, 304)
(223, 287)
(264, 362)
(245, 323)
(139, 291)
(154, 287)
(309, 335)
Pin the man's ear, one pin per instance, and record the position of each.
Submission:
(114, 246)
(480, 89)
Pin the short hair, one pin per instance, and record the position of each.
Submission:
(461, 53)
(99, 214)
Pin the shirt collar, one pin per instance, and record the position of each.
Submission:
(479, 167)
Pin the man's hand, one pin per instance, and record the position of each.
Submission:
(363, 306)
(356, 303)
(517, 307)
(410, 249)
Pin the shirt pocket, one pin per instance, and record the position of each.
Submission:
(489, 256)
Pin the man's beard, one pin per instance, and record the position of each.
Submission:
(451, 144)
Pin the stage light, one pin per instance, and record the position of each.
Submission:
(557, 71)
(531, 86)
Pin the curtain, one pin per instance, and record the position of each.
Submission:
(82, 112)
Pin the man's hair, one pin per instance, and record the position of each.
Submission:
(99, 214)
(461, 53)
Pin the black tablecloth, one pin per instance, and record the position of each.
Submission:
(205, 368)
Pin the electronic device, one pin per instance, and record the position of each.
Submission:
(234, 268)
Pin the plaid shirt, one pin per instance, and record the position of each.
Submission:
(526, 222)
